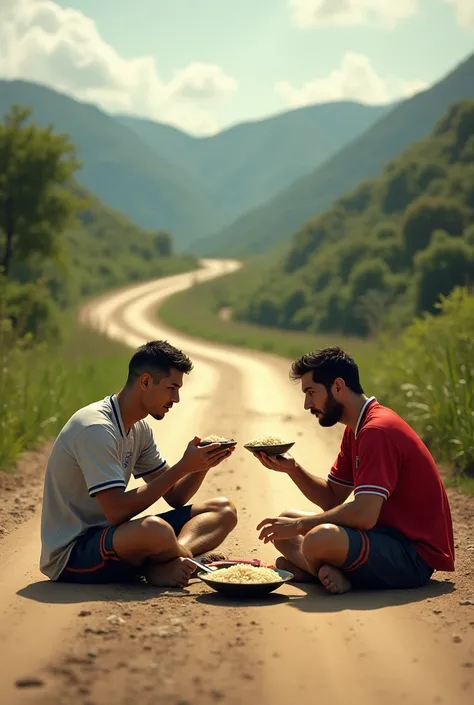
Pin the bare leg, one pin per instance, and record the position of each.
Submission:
(210, 524)
(151, 542)
(293, 558)
(317, 555)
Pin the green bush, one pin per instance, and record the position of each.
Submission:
(447, 263)
(428, 377)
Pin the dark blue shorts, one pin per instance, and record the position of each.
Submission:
(93, 559)
(382, 558)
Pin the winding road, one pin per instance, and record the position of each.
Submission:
(113, 645)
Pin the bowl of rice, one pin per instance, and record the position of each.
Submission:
(243, 580)
(223, 442)
(271, 445)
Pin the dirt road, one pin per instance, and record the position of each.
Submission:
(110, 645)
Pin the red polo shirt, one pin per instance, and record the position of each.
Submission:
(387, 458)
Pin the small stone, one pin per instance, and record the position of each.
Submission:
(92, 654)
(84, 613)
(132, 636)
(29, 682)
(468, 664)
(139, 628)
(238, 488)
(115, 620)
(456, 639)
(217, 694)
(464, 603)
(437, 612)
(127, 613)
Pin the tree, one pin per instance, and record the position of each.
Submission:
(36, 169)
(440, 268)
(163, 244)
(426, 215)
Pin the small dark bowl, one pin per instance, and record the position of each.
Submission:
(251, 590)
(223, 444)
(271, 450)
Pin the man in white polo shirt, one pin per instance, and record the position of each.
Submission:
(88, 530)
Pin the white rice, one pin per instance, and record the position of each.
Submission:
(214, 439)
(267, 441)
(242, 573)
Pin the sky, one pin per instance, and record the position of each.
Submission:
(203, 65)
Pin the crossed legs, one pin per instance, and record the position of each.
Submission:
(316, 556)
(151, 542)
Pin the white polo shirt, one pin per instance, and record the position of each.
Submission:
(92, 453)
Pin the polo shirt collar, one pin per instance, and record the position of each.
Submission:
(118, 416)
(362, 413)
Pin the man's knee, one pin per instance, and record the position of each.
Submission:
(324, 540)
(226, 511)
(154, 530)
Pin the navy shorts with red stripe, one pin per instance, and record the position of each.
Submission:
(93, 558)
(382, 558)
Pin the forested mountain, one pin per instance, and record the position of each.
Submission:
(385, 251)
(277, 220)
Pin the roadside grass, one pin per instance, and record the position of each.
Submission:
(42, 385)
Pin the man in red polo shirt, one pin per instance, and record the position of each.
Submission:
(397, 530)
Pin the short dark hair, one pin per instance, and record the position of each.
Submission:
(157, 357)
(326, 365)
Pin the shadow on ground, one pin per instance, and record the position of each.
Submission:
(305, 597)
(314, 598)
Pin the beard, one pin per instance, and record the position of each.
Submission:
(332, 412)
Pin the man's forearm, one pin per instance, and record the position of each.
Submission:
(133, 502)
(347, 514)
(185, 489)
(315, 489)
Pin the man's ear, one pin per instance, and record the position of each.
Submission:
(339, 385)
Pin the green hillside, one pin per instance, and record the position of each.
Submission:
(247, 164)
(118, 167)
(105, 250)
(278, 219)
(385, 251)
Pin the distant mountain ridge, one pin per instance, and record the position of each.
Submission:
(246, 164)
(118, 167)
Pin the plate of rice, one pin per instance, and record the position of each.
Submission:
(271, 445)
(244, 580)
(223, 442)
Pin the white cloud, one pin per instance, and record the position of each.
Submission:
(41, 41)
(317, 13)
(464, 11)
(355, 79)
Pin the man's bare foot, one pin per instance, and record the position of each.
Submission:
(301, 576)
(334, 580)
(175, 573)
(210, 557)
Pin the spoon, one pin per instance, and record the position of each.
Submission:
(205, 568)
